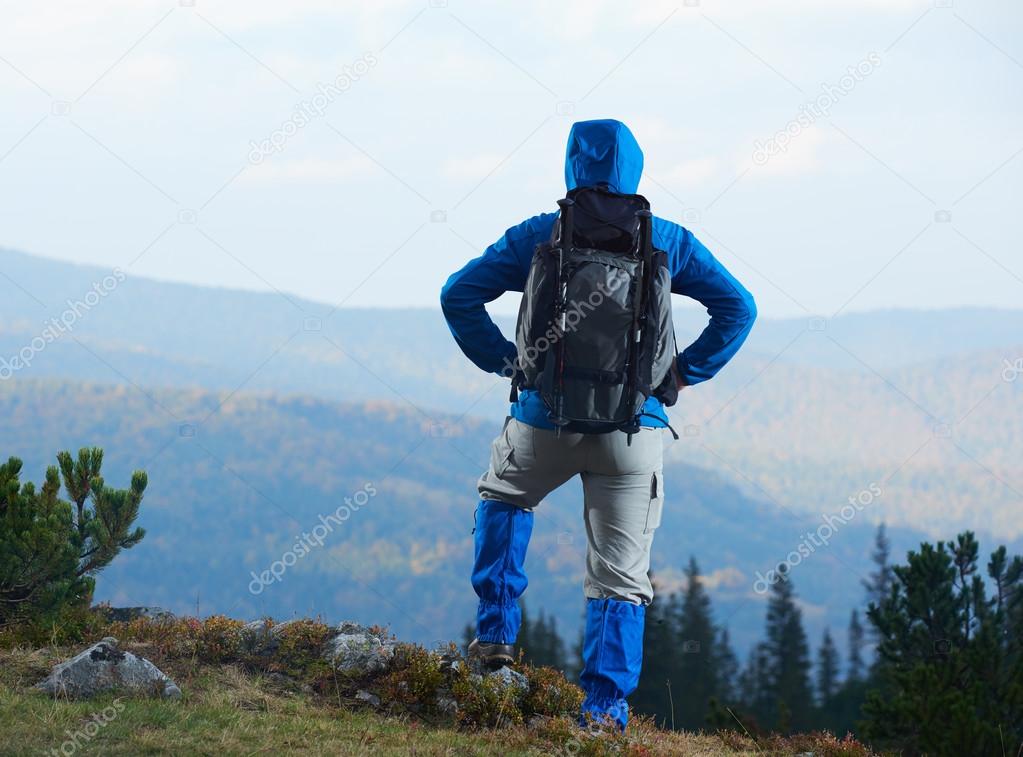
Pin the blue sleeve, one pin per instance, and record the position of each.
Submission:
(696, 273)
(503, 267)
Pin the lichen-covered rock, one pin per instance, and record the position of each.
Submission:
(450, 661)
(509, 677)
(255, 637)
(104, 667)
(447, 704)
(367, 697)
(262, 637)
(356, 650)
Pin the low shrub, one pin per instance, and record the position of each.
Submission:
(550, 694)
(485, 701)
(415, 678)
(299, 650)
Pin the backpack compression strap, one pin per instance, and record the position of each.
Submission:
(639, 311)
(566, 230)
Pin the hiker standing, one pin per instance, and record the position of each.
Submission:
(592, 368)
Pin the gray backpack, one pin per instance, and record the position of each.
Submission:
(595, 335)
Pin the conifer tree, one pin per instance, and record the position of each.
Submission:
(104, 529)
(51, 549)
(524, 641)
(856, 667)
(727, 667)
(540, 642)
(788, 657)
(755, 688)
(878, 584)
(654, 695)
(695, 653)
(827, 671)
(38, 547)
(949, 656)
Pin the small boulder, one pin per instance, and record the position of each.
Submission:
(447, 704)
(509, 677)
(262, 637)
(356, 650)
(450, 661)
(255, 637)
(104, 667)
(368, 698)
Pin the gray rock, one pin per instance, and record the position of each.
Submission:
(103, 667)
(255, 637)
(277, 629)
(364, 696)
(356, 650)
(509, 677)
(447, 705)
(455, 665)
(262, 637)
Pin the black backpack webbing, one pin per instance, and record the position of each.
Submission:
(566, 221)
(638, 315)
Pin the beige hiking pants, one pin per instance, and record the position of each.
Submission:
(623, 493)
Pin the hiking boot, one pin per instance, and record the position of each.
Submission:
(492, 656)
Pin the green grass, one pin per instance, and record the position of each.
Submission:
(230, 708)
(227, 711)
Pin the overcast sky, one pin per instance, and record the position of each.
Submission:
(132, 135)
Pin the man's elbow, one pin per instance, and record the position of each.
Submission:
(449, 296)
(739, 315)
(750, 306)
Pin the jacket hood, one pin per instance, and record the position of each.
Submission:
(603, 152)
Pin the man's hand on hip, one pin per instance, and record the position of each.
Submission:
(680, 382)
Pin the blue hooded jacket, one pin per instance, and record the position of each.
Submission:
(599, 152)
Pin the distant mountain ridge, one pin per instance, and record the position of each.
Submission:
(191, 320)
(809, 412)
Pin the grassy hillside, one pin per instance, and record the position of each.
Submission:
(289, 703)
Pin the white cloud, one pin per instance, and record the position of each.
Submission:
(673, 580)
(723, 578)
(658, 9)
(308, 170)
(810, 610)
(802, 155)
(692, 172)
(472, 167)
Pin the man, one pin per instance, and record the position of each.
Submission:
(621, 473)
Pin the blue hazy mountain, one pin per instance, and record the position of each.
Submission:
(258, 413)
(382, 498)
(810, 413)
